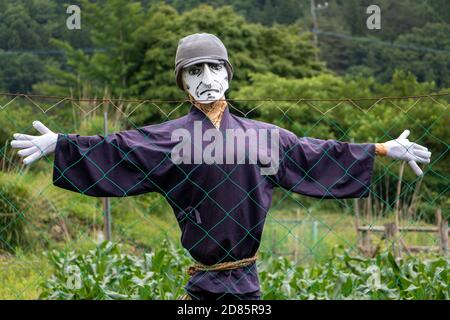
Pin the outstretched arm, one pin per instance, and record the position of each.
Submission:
(120, 164)
(325, 168)
(335, 169)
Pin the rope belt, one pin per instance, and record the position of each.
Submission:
(229, 265)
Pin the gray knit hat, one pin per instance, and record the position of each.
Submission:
(197, 48)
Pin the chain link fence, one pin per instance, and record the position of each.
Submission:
(403, 213)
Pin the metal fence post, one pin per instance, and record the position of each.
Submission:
(106, 200)
(315, 225)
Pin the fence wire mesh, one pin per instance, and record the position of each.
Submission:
(403, 212)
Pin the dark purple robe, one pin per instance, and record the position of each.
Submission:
(220, 208)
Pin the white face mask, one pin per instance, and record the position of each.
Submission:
(206, 82)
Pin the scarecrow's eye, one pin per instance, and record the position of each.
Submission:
(216, 66)
(194, 71)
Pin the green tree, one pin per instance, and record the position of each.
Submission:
(22, 29)
(426, 65)
(140, 49)
(26, 27)
(112, 26)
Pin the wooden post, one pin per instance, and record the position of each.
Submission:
(397, 197)
(314, 231)
(387, 195)
(443, 232)
(391, 233)
(369, 209)
(438, 217)
(356, 208)
(414, 199)
(377, 203)
(274, 242)
(296, 247)
(366, 242)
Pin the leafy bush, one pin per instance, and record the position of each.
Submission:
(14, 212)
(26, 215)
(352, 277)
(106, 273)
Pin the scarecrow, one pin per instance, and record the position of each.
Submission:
(220, 200)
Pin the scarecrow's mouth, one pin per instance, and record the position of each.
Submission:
(216, 90)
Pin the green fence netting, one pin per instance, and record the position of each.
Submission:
(50, 238)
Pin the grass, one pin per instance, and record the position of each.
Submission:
(310, 237)
(21, 276)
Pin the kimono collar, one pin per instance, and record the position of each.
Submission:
(217, 113)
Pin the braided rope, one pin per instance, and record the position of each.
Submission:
(223, 266)
(229, 265)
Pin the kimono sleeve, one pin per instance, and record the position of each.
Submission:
(121, 164)
(326, 168)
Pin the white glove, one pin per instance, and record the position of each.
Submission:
(35, 147)
(403, 149)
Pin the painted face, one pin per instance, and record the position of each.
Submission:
(206, 82)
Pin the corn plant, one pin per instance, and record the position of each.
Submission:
(107, 273)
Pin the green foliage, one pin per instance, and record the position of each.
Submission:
(346, 276)
(108, 273)
(363, 120)
(26, 27)
(27, 217)
(18, 118)
(13, 225)
(113, 34)
(22, 214)
(265, 12)
(94, 124)
(425, 65)
(136, 41)
(20, 276)
(410, 30)
(304, 118)
(140, 46)
(19, 72)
